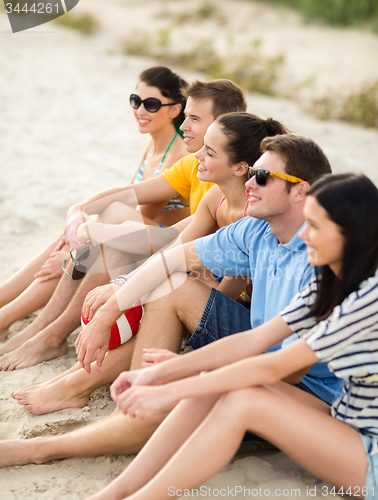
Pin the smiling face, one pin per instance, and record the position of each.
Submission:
(273, 199)
(152, 122)
(324, 239)
(198, 117)
(214, 161)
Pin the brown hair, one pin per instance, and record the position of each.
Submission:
(170, 84)
(225, 95)
(303, 157)
(244, 133)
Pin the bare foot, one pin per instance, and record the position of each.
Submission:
(64, 374)
(33, 352)
(53, 397)
(16, 341)
(20, 452)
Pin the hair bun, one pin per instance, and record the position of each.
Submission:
(273, 127)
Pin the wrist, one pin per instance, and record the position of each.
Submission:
(160, 376)
(107, 316)
(120, 280)
(167, 371)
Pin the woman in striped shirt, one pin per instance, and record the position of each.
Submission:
(336, 317)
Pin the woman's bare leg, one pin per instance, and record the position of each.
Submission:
(33, 298)
(162, 445)
(292, 420)
(17, 283)
(73, 388)
(55, 307)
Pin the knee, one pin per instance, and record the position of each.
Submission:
(114, 213)
(246, 403)
(169, 291)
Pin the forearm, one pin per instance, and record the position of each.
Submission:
(177, 260)
(259, 370)
(210, 357)
(153, 190)
(130, 237)
(96, 203)
(223, 352)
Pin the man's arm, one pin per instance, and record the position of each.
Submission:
(152, 190)
(173, 263)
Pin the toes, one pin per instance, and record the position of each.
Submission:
(17, 394)
(22, 401)
(5, 365)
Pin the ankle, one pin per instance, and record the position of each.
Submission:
(38, 450)
(52, 339)
(74, 388)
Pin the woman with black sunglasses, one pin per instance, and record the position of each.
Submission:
(160, 115)
(336, 318)
(231, 144)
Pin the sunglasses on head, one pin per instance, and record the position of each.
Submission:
(151, 104)
(262, 176)
(78, 271)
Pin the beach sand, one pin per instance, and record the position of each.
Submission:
(66, 131)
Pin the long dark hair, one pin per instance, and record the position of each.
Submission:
(244, 133)
(170, 84)
(351, 202)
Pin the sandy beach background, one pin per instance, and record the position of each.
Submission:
(66, 131)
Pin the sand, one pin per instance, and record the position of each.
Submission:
(66, 132)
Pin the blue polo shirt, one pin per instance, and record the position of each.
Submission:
(278, 271)
(249, 248)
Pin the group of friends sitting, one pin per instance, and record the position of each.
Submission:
(234, 238)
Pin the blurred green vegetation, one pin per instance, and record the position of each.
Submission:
(84, 23)
(337, 12)
(207, 10)
(248, 67)
(359, 106)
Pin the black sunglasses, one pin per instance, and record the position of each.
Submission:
(151, 104)
(79, 270)
(262, 176)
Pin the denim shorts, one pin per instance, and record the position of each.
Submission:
(222, 317)
(372, 471)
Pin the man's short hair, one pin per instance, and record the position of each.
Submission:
(303, 157)
(226, 96)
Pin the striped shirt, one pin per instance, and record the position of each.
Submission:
(348, 342)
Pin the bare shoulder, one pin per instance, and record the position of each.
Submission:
(212, 199)
(214, 196)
